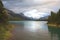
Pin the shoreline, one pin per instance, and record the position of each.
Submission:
(53, 25)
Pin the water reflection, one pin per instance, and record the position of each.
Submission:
(34, 26)
(55, 33)
(34, 30)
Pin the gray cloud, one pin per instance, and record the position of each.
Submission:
(21, 5)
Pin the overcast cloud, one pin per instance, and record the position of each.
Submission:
(40, 5)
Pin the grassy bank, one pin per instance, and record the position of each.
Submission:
(5, 31)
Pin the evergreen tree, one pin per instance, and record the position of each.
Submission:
(58, 17)
(52, 18)
(3, 13)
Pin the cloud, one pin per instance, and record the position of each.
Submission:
(35, 14)
(41, 5)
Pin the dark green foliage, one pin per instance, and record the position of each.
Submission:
(54, 18)
(3, 14)
(58, 17)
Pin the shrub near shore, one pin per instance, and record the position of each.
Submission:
(5, 31)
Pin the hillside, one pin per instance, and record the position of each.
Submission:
(14, 16)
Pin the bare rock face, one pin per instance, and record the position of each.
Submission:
(3, 13)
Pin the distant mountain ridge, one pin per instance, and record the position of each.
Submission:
(14, 16)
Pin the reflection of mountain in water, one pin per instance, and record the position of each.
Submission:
(55, 33)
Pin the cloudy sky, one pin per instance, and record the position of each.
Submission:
(24, 5)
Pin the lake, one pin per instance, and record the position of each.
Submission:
(34, 30)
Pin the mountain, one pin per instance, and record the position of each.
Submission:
(44, 18)
(14, 16)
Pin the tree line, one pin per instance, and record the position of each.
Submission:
(54, 18)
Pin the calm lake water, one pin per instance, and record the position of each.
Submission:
(34, 30)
